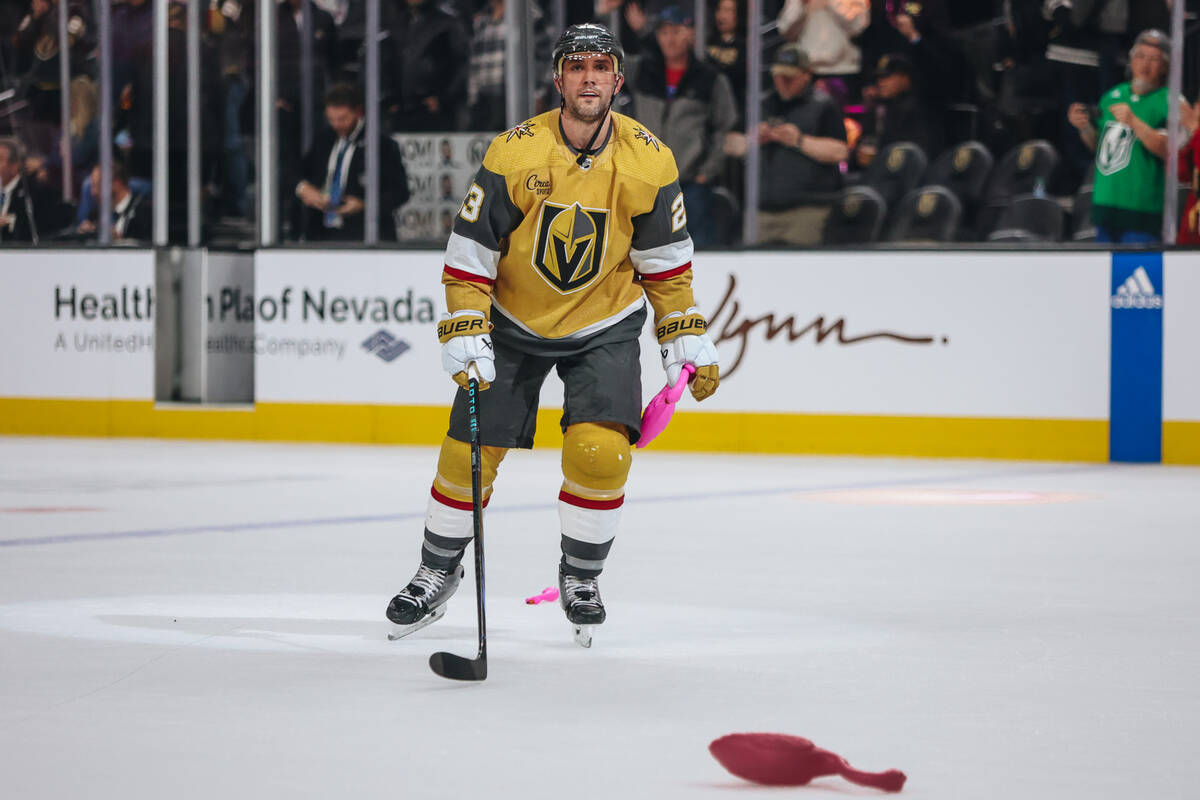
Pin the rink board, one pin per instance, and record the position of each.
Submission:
(1181, 358)
(905, 353)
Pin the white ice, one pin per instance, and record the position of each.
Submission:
(205, 620)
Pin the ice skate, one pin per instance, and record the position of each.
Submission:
(580, 599)
(423, 601)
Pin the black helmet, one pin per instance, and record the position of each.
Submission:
(588, 38)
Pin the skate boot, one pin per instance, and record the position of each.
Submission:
(580, 598)
(423, 601)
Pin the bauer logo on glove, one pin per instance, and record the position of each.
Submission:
(670, 328)
(683, 339)
(460, 326)
(467, 347)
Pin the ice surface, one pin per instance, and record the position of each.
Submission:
(205, 620)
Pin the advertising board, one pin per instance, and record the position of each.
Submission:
(77, 325)
(1000, 335)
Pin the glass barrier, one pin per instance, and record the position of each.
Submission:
(846, 124)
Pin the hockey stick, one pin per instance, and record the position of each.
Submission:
(449, 665)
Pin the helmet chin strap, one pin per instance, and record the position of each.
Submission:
(584, 159)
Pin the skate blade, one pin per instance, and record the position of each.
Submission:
(583, 634)
(400, 631)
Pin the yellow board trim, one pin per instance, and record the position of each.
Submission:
(940, 437)
(1181, 443)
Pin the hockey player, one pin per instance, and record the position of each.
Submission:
(574, 221)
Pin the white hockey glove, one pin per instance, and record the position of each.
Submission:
(467, 347)
(683, 339)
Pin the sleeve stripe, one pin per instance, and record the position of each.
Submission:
(671, 273)
(467, 255)
(466, 276)
(664, 258)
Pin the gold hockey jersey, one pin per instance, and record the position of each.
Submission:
(564, 251)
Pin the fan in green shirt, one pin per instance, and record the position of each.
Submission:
(1130, 145)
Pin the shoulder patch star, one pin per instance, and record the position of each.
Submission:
(524, 129)
(645, 136)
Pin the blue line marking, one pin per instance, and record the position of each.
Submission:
(151, 533)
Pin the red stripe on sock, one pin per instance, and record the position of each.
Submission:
(583, 502)
(662, 276)
(467, 276)
(459, 504)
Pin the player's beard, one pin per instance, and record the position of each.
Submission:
(585, 115)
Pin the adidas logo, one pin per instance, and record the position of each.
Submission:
(1137, 292)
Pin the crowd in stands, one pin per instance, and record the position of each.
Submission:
(881, 120)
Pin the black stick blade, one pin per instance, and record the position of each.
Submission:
(457, 668)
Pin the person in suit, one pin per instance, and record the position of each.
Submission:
(27, 211)
(333, 186)
(132, 217)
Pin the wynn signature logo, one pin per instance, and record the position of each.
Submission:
(730, 324)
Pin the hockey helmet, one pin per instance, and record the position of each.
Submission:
(588, 37)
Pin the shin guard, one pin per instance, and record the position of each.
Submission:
(595, 462)
(448, 528)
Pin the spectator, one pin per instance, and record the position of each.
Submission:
(803, 142)
(899, 115)
(231, 32)
(727, 50)
(944, 74)
(1189, 175)
(291, 87)
(1083, 41)
(689, 105)
(27, 210)
(36, 68)
(83, 124)
(1130, 145)
(332, 188)
(634, 29)
(824, 30)
(424, 66)
(132, 47)
(486, 103)
(132, 220)
(88, 197)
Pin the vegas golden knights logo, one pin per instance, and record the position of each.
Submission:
(569, 251)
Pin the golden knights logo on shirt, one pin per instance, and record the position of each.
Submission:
(1115, 148)
(569, 251)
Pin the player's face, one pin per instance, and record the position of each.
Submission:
(587, 83)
